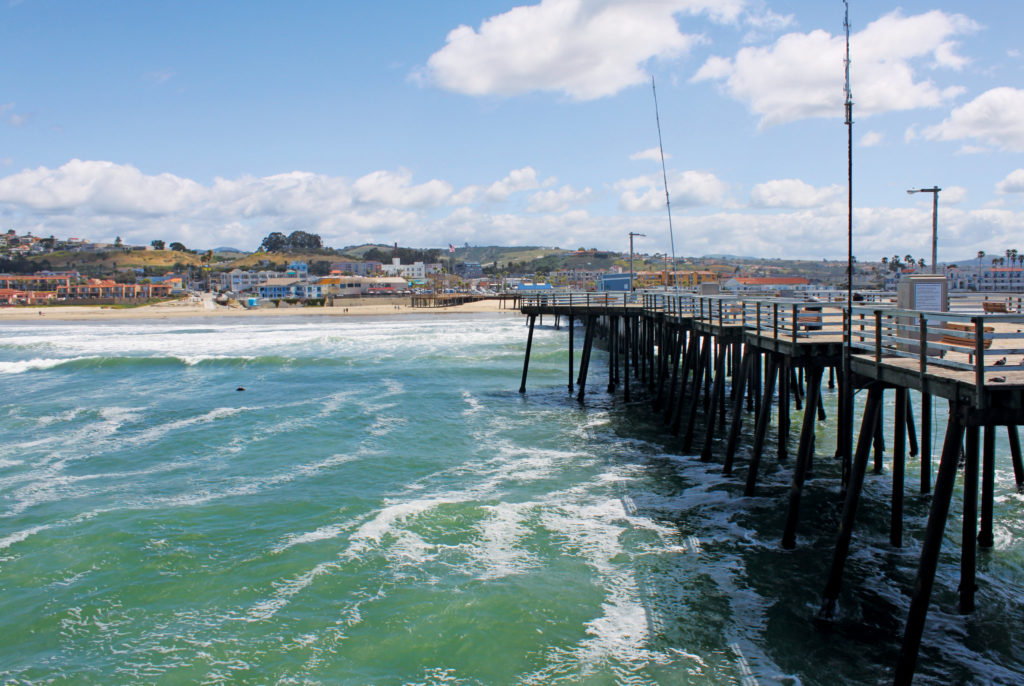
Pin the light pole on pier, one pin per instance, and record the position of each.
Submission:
(631, 234)
(934, 190)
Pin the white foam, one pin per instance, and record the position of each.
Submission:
(21, 366)
(386, 520)
(19, 536)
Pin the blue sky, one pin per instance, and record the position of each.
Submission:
(496, 123)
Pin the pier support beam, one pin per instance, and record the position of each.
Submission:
(926, 442)
(899, 448)
(858, 468)
(786, 374)
(763, 419)
(717, 391)
(988, 486)
(570, 353)
(944, 483)
(526, 358)
(740, 385)
(969, 543)
(588, 344)
(698, 377)
(803, 456)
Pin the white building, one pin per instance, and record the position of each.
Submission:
(239, 281)
(986, 279)
(416, 270)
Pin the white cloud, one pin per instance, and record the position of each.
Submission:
(993, 118)
(467, 195)
(560, 200)
(584, 49)
(652, 154)
(18, 119)
(871, 139)
(1013, 183)
(395, 189)
(524, 179)
(801, 74)
(5, 106)
(792, 193)
(687, 189)
(952, 195)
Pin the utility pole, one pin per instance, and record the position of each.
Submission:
(934, 190)
(631, 234)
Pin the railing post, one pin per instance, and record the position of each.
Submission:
(796, 323)
(923, 338)
(775, 320)
(979, 358)
(878, 337)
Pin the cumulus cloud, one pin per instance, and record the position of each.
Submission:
(396, 189)
(584, 49)
(800, 75)
(101, 199)
(992, 118)
(560, 200)
(871, 139)
(687, 189)
(792, 193)
(652, 154)
(524, 179)
(1013, 183)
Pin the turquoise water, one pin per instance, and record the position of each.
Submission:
(379, 505)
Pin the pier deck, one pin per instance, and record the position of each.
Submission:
(697, 354)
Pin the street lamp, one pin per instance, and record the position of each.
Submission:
(934, 190)
(631, 234)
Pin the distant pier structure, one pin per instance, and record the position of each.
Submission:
(708, 361)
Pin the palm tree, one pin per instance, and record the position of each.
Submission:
(920, 262)
(909, 259)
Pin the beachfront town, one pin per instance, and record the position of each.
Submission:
(36, 271)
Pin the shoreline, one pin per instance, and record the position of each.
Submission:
(181, 309)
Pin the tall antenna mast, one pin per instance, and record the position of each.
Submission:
(845, 443)
(664, 178)
(849, 161)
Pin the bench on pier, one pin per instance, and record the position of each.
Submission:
(965, 341)
(809, 318)
(995, 307)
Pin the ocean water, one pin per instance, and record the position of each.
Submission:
(380, 505)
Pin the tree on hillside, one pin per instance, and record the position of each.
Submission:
(117, 242)
(295, 241)
(158, 244)
(178, 247)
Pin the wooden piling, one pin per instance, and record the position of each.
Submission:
(526, 358)
(988, 486)
(944, 482)
(803, 457)
(761, 427)
(899, 447)
(857, 471)
(969, 542)
(717, 390)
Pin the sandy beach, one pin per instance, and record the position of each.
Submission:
(207, 308)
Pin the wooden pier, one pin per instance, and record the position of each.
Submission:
(708, 361)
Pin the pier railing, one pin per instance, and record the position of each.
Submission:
(987, 346)
(582, 299)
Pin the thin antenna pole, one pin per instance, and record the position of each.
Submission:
(664, 178)
(845, 447)
(849, 161)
